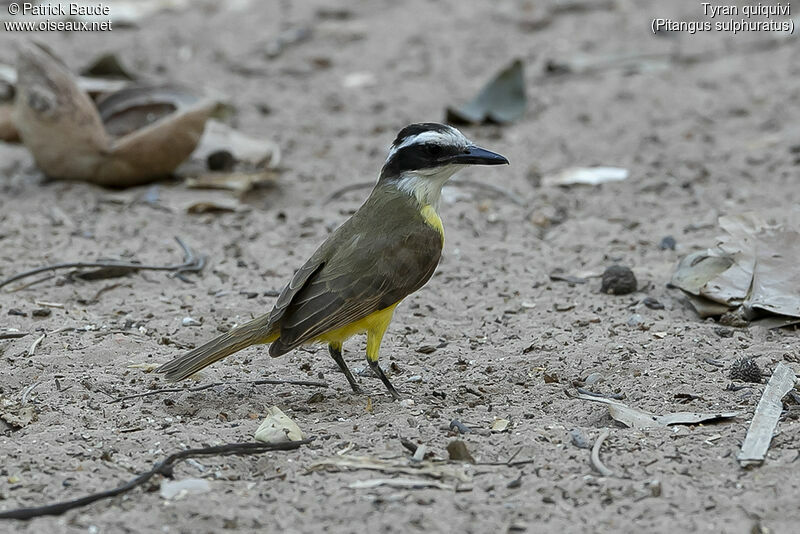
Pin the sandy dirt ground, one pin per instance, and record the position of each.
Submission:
(706, 124)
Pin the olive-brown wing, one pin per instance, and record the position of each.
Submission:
(356, 281)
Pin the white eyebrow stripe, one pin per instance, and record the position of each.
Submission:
(451, 137)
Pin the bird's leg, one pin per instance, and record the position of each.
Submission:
(385, 379)
(374, 338)
(336, 353)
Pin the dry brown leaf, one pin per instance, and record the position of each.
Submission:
(60, 125)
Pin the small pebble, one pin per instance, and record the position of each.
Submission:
(189, 321)
(415, 378)
(667, 243)
(579, 439)
(618, 280)
(652, 303)
(42, 312)
(593, 378)
(407, 403)
(635, 320)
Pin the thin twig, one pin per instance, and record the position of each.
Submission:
(596, 463)
(164, 468)
(311, 383)
(35, 344)
(615, 396)
(8, 334)
(27, 391)
(468, 183)
(191, 263)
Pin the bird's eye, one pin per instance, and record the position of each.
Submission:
(432, 150)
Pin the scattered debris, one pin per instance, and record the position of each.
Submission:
(636, 418)
(165, 468)
(429, 468)
(12, 334)
(559, 277)
(500, 425)
(178, 489)
(405, 483)
(585, 176)
(752, 269)
(16, 414)
(756, 442)
(746, 370)
(457, 451)
(501, 101)
(618, 280)
(278, 428)
(191, 263)
(595, 456)
(253, 152)
(460, 427)
(310, 383)
(133, 136)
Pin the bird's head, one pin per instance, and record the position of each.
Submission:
(424, 156)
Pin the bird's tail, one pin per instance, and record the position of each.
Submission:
(256, 331)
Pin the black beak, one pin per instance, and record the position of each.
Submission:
(475, 155)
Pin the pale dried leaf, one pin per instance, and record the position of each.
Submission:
(278, 428)
(640, 419)
(424, 468)
(586, 176)
(759, 435)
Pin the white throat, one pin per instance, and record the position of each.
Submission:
(426, 186)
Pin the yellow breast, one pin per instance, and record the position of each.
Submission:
(432, 219)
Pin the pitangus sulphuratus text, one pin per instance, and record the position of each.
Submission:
(352, 284)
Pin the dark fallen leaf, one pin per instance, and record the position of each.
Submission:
(458, 452)
(500, 101)
(108, 65)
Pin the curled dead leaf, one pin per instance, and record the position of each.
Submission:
(134, 136)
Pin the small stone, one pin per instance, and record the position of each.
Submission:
(177, 489)
(593, 379)
(723, 332)
(190, 321)
(635, 320)
(42, 312)
(20, 313)
(746, 370)
(667, 243)
(407, 403)
(579, 439)
(426, 349)
(618, 280)
(458, 452)
(221, 160)
(652, 303)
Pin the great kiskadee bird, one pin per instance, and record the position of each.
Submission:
(352, 284)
